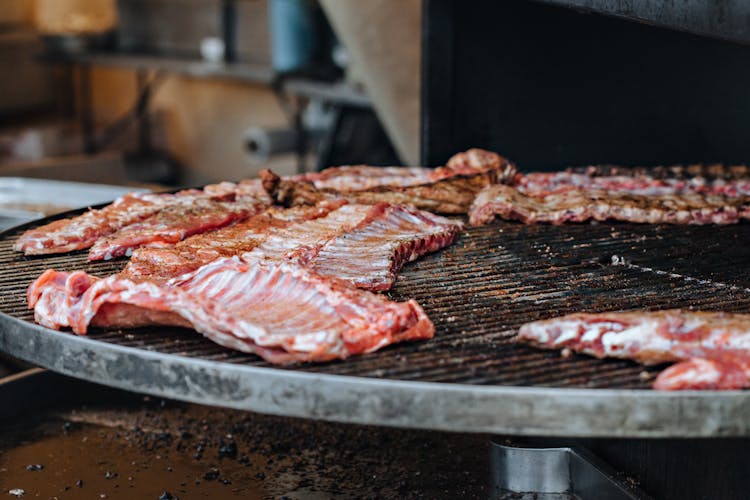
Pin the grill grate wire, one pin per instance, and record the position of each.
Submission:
(478, 291)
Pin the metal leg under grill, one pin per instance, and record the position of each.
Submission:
(556, 473)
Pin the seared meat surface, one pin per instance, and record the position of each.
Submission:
(365, 245)
(449, 189)
(540, 184)
(579, 205)
(164, 216)
(173, 224)
(165, 263)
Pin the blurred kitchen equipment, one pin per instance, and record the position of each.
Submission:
(26, 83)
(315, 126)
(38, 141)
(383, 41)
(293, 34)
(263, 143)
(73, 27)
(77, 43)
(179, 27)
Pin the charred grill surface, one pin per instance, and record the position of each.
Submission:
(481, 289)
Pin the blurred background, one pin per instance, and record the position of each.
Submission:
(101, 97)
(185, 92)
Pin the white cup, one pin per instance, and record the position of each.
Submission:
(212, 49)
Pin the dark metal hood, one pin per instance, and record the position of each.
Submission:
(725, 19)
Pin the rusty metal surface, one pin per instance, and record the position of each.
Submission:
(471, 376)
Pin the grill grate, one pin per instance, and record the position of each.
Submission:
(479, 291)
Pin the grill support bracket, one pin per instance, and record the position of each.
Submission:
(565, 470)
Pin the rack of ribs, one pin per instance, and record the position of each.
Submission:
(282, 312)
(449, 189)
(578, 205)
(543, 183)
(711, 349)
(365, 245)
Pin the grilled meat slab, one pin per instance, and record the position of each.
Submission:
(364, 178)
(85, 230)
(300, 242)
(449, 189)
(282, 312)
(371, 254)
(174, 223)
(715, 171)
(578, 205)
(544, 183)
(77, 233)
(452, 196)
(362, 244)
(728, 372)
(163, 264)
(712, 348)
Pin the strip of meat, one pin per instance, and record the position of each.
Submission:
(66, 235)
(163, 264)
(300, 242)
(371, 255)
(81, 232)
(363, 245)
(730, 372)
(578, 205)
(58, 300)
(175, 223)
(477, 161)
(281, 312)
(716, 171)
(364, 178)
(542, 184)
(451, 196)
(713, 346)
(449, 189)
(247, 188)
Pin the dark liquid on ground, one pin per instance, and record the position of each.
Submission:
(155, 449)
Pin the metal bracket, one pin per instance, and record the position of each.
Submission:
(570, 471)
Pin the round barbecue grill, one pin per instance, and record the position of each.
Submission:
(472, 376)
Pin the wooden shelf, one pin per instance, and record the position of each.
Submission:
(336, 92)
(194, 68)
